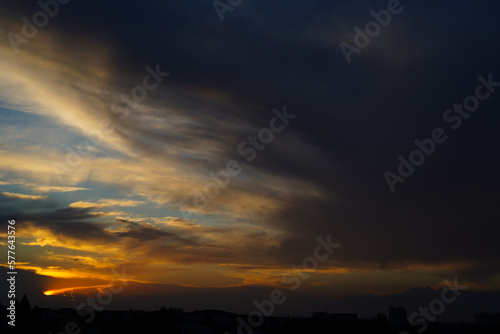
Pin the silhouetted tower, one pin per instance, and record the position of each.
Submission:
(397, 317)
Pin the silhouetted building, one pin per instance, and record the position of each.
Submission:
(344, 320)
(209, 322)
(322, 315)
(487, 319)
(397, 316)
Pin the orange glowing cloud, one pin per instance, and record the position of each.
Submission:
(75, 291)
(24, 196)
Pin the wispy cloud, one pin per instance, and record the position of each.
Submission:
(177, 222)
(11, 182)
(24, 196)
(106, 203)
(61, 189)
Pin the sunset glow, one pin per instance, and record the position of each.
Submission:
(74, 291)
(332, 156)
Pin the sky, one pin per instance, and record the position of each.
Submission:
(203, 149)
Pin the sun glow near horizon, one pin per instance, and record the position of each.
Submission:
(81, 290)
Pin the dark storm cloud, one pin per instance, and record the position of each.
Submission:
(74, 223)
(143, 233)
(78, 225)
(80, 228)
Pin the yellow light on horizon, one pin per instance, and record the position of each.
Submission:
(81, 288)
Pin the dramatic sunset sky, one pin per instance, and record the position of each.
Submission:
(95, 188)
